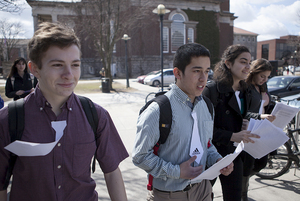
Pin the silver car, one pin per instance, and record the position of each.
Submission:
(155, 80)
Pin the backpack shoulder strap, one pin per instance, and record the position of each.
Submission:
(92, 116)
(210, 106)
(165, 118)
(90, 112)
(16, 121)
(165, 122)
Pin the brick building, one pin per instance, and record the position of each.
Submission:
(246, 38)
(207, 22)
(277, 49)
(19, 50)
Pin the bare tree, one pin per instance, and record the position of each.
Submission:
(105, 21)
(11, 6)
(9, 34)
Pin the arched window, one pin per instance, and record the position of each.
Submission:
(190, 35)
(177, 31)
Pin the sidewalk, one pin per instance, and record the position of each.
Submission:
(286, 187)
(124, 109)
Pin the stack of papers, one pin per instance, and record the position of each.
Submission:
(271, 134)
(271, 137)
(214, 170)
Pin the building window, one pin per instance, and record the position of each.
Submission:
(91, 70)
(190, 35)
(166, 39)
(265, 51)
(177, 32)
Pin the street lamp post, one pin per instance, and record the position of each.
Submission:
(161, 11)
(126, 38)
(295, 62)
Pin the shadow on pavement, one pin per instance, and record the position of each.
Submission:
(290, 185)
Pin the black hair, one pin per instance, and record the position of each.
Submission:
(186, 52)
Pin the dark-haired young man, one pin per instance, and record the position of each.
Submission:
(177, 161)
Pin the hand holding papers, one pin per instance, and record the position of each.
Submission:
(284, 114)
(21, 148)
(214, 170)
(271, 134)
(271, 137)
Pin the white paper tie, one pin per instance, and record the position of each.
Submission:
(22, 148)
(196, 148)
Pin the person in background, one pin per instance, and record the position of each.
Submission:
(20, 82)
(230, 97)
(174, 167)
(102, 73)
(260, 70)
(65, 172)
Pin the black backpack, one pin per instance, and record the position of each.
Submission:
(165, 121)
(16, 126)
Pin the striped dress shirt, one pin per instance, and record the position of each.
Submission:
(165, 167)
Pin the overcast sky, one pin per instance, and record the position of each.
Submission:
(268, 18)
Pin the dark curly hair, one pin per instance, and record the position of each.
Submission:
(221, 72)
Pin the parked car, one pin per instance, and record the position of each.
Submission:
(141, 78)
(210, 74)
(283, 86)
(154, 80)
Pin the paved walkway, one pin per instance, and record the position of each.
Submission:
(124, 109)
(124, 114)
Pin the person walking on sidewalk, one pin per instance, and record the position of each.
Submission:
(260, 70)
(231, 100)
(64, 173)
(20, 82)
(175, 166)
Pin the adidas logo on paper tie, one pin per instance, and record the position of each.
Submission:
(196, 151)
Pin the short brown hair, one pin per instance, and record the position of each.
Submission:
(50, 34)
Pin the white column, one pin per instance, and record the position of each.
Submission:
(54, 17)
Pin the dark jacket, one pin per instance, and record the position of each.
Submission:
(228, 117)
(256, 99)
(20, 83)
(1, 103)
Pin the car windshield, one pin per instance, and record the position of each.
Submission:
(152, 73)
(279, 82)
